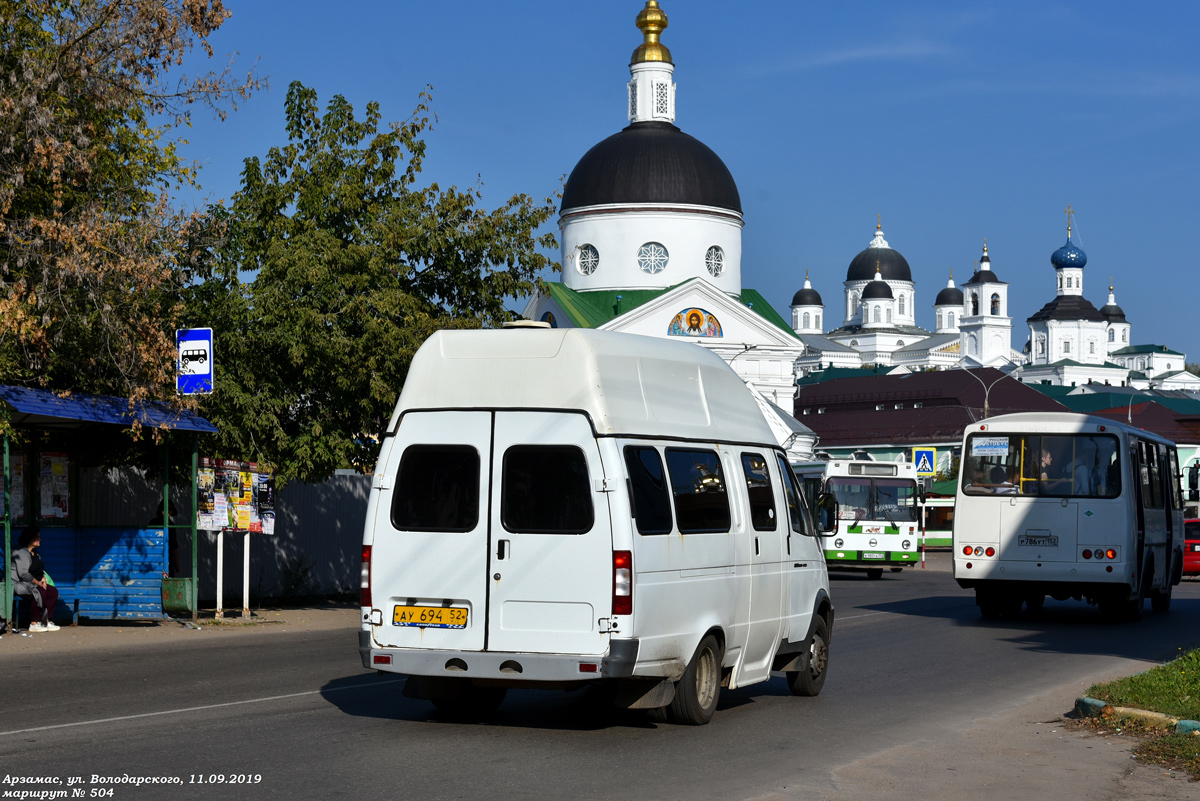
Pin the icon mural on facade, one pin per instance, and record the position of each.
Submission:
(695, 322)
(548, 317)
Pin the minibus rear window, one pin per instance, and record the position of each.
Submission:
(758, 487)
(1056, 466)
(437, 489)
(701, 503)
(649, 499)
(545, 490)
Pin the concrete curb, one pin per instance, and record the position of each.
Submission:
(1095, 708)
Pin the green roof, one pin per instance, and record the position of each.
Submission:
(1095, 401)
(1146, 349)
(595, 308)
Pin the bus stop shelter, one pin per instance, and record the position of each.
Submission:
(104, 572)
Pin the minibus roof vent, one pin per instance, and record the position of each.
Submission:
(526, 324)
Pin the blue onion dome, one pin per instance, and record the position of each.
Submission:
(807, 296)
(1068, 256)
(877, 290)
(950, 296)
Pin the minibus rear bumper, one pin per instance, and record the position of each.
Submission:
(501, 666)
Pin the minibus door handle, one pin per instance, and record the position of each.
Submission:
(502, 550)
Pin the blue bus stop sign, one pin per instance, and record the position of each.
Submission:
(195, 376)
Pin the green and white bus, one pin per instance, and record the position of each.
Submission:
(879, 512)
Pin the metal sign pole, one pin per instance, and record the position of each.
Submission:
(8, 587)
(246, 578)
(220, 573)
(195, 599)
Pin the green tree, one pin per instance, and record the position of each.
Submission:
(92, 254)
(349, 266)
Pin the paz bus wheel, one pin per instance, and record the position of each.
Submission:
(1161, 601)
(697, 692)
(874, 572)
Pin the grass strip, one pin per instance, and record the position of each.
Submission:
(1172, 689)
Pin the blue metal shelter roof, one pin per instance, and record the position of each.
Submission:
(39, 407)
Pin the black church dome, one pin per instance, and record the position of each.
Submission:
(892, 266)
(651, 162)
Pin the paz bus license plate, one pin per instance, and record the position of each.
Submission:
(433, 617)
(873, 555)
(1038, 540)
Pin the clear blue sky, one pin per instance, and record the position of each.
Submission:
(955, 121)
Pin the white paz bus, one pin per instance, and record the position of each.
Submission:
(554, 508)
(1067, 506)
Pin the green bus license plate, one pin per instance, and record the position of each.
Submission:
(433, 617)
(871, 555)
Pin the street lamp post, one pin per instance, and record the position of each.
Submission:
(987, 388)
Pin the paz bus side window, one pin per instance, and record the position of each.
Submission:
(758, 487)
(648, 497)
(546, 490)
(437, 489)
(698, 484)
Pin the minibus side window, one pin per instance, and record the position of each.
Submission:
(796, 507)
(649, 500)
(545, 490)
(701, 503)
(437, 489)
(758, 487)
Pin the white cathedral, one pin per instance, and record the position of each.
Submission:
(651, 232)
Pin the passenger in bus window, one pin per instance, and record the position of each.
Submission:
(1003, 482)
(1081, 470)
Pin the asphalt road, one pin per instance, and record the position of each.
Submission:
(911, 660)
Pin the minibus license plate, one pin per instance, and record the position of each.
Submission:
(433, 617)
(1038, 540)
(870, 555)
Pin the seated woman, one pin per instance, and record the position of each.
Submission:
(29, 579)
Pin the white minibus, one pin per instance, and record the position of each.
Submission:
(1069, 506)
(559, 507)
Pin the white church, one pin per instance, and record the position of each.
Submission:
(651, 231)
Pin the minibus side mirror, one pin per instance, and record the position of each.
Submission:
(827, 514)
(1194, 482)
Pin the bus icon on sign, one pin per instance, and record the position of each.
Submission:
(197, 355)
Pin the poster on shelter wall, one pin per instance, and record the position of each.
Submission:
(17, 464)
(53, 481)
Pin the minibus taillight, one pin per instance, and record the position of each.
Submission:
(622, 597)
(1111, 554)
(1087, 553)
(365, 592)
(968, 550)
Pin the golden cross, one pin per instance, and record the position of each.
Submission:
(1070, 213)
(878, 222)
(985, 244)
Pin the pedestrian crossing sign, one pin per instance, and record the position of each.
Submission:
(925, 459)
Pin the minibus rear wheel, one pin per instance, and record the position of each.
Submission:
(1160, 600)
(697, 692)
(810, 678)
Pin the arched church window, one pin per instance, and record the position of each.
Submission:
(806, 319)
(1067, 346)
(901, 304)
(939, 320)
(1092, 347)
(1060, 281)
(974, 303)
(818, 320)
(589, 259)
(714, 260)
(1112, 335)
(889, 315)
(950, 320)
(876, 314)
(854, 343)
(652, 258)
(995, 303)
(1124, 336)
(1068, 282)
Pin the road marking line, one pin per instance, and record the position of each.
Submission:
(200, 708)
(842, 619)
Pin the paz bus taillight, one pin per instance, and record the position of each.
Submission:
(365, 592)
(622, 594)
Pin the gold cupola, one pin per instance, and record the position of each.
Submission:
(652, 22)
